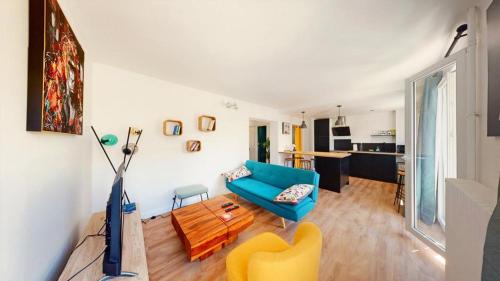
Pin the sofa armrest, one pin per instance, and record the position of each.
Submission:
(314, 193)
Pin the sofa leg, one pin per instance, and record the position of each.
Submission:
(283, 223)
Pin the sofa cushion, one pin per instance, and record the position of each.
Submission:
(294, 194)
(257, 188)
(267, 192)
(288, 211)
(280, 176)
(237, 173)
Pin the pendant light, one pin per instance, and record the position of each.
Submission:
(341, 122)
(303, 125)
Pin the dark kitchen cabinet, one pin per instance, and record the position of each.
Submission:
(334, 172)
(322, 135)
(378, 167)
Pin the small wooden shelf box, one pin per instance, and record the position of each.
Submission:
(207, 123)
(193, 145)
(172, 128)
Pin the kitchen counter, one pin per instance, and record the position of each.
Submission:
(331, 154)
(333, 167)
(380, 166)
(371, 152)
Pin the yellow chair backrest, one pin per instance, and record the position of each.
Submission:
(299, 263)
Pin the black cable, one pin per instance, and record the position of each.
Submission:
(154, 217)
(79, 271)
(84, 239)
(90, 235)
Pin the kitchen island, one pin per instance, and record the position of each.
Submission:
(374, 165)
(332, 167)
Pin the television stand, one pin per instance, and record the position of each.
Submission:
(134, 251)
(124, 274)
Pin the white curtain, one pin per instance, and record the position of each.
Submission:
(446, 155)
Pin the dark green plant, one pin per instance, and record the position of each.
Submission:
(267, 146)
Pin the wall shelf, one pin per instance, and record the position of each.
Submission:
(172, 128)
(207, 123)
(193, 145)
(383, 135)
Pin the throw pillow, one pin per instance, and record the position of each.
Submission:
(235, 174)
(294, 194)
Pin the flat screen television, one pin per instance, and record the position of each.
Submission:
(112, 262)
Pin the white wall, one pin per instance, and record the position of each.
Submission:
(489, 147)
(307, 135)
(364, 125)
(400, 126)
(44, 177)
(122, 98)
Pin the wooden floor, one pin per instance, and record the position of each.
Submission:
(363, 239)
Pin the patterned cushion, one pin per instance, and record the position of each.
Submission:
(235, 174)
(294, 194)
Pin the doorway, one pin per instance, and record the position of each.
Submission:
(261, 140)
(258, 142)
(435, 102)
(297, 142)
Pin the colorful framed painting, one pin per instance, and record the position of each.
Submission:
(55, 71)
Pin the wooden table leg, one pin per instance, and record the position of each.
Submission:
(231, 239)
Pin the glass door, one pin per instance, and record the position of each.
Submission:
(434, 102)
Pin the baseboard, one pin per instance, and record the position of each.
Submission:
(155, 212)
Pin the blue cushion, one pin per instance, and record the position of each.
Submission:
(291, 212)
(258, 188)
(280, 176)
(283, 177)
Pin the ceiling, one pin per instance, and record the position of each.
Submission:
(292, 55)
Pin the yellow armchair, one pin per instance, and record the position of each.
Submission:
(267, 257)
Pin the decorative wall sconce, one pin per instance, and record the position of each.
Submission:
(231, 105)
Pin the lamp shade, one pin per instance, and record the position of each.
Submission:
(303, 125)
(109, 140)
(132, 147)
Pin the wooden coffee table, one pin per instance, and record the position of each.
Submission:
(202, 231)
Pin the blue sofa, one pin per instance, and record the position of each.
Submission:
(267, 181)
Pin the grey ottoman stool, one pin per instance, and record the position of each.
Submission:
(189, 191)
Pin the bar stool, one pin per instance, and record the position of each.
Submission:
(289, 162)
(400, 192)
(306, 164)
(298, 162)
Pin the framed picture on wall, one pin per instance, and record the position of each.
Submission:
(55, 71)
(285, 128)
